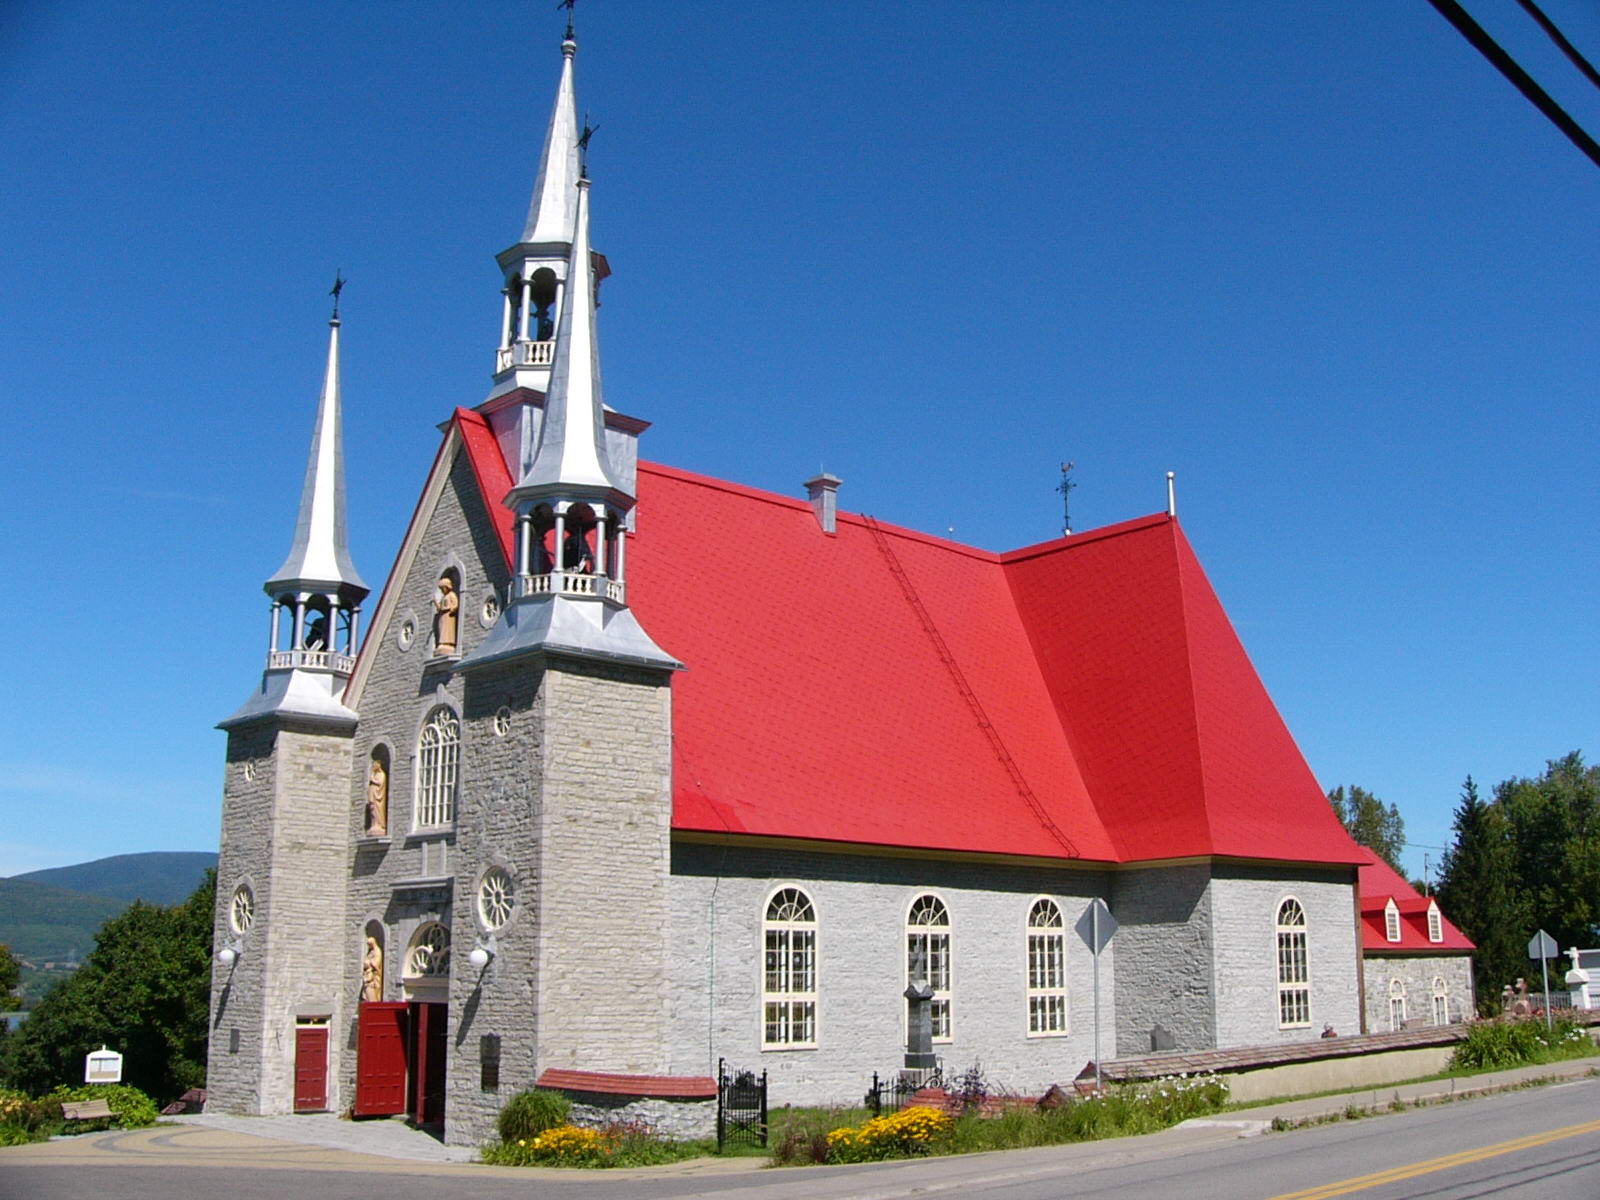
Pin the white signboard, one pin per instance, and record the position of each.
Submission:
(102, 1066)
(1543, 946)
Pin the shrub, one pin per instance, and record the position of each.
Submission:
(909, 1131)
(1493, 1045)
(130, 1108)
(528, 1114)
(23, 1119)
(624, 1144)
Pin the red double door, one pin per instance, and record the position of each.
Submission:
(400, 1060)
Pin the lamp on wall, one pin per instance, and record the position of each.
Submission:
(228, 955)
(483, 952)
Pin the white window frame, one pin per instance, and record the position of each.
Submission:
(1045, 947)
(1391, 920)
(1397, 1005)
(1435, 923)
(789, 992)
(428, 955)
(1441, 1001)
(934, 937)
(1292, 945)
(438, 773)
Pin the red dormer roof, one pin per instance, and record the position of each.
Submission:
(1380, 883)
(1086, 698)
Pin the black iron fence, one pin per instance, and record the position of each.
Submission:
(894, 1090)
(741, 1107)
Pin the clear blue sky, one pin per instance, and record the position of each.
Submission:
(1317, 258)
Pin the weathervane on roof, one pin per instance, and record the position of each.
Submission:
(338, 286)
(1065, 488)
(568, 5)
(583, 146)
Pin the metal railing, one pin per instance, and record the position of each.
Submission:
(314, 660)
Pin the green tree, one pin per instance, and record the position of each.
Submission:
(10, 977)
(1370, 823)
(1479, 891)
(144, 990)
(1554, 820)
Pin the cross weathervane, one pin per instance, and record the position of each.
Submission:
(568, 5)
(338, 286)
(583, 146)
(1065, 488)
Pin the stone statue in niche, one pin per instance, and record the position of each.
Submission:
(372, 970)
(377, 799)
(446, 616)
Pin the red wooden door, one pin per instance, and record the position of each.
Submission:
(428, 1050)
(311, 1068)
(381, 1059)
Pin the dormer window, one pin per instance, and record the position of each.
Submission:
(1391, 921)
(1435, 924)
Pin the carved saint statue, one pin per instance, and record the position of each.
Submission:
(446, 608)
(372, 971)
(377, 799)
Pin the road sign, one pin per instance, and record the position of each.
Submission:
(1543, 946)
(1096, 926)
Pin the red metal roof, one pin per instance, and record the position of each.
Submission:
(682, 1087)
(1379, 883)
(1086, 698)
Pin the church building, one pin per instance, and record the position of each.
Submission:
(564, 815)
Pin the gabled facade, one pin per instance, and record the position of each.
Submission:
(1417, 966)
(564, 818)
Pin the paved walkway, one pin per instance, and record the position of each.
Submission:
(324, 1142)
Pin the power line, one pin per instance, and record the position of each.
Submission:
(1524, 83)
(1555, 35)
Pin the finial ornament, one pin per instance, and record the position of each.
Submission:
(568, 5)
(583, 146)
(338, 286)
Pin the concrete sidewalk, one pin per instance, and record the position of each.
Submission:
(384, 1138)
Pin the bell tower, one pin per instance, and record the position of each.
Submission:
(535, 267)
(278, 933)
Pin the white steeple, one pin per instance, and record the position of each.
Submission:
(320, 556)
(535, 268)
(316, 593)
(570, 593)
(571, 453)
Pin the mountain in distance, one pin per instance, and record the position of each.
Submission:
(162, 877)
(52, 916)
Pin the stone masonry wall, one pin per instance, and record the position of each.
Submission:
(1165, 958)
(497, 824)
(283, 836)
(719, 896)
(234, 1064)
(388, 880)
(1417, 973)
(604, 864)
(1245, 903)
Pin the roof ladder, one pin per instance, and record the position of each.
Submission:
(1035, 805)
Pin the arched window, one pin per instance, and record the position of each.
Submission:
(438, 763)
(1435, 924)
(1391, 921)
(789, 979)
(429, 956)
(1047, 969)
(928, 945)
(1397, 1004)
(1294, 975)
(1441, 1001)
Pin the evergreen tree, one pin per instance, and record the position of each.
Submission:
(1478, 891)
(1379, 828)
(144, 990)
(10, 977)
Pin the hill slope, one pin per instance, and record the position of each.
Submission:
(42, 923)
(162, 877)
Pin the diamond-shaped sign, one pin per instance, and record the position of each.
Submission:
(1543, 946)
(1096, 926)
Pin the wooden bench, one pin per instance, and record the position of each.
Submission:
(85, 1110)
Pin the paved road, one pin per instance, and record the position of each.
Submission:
(1533, 1145)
